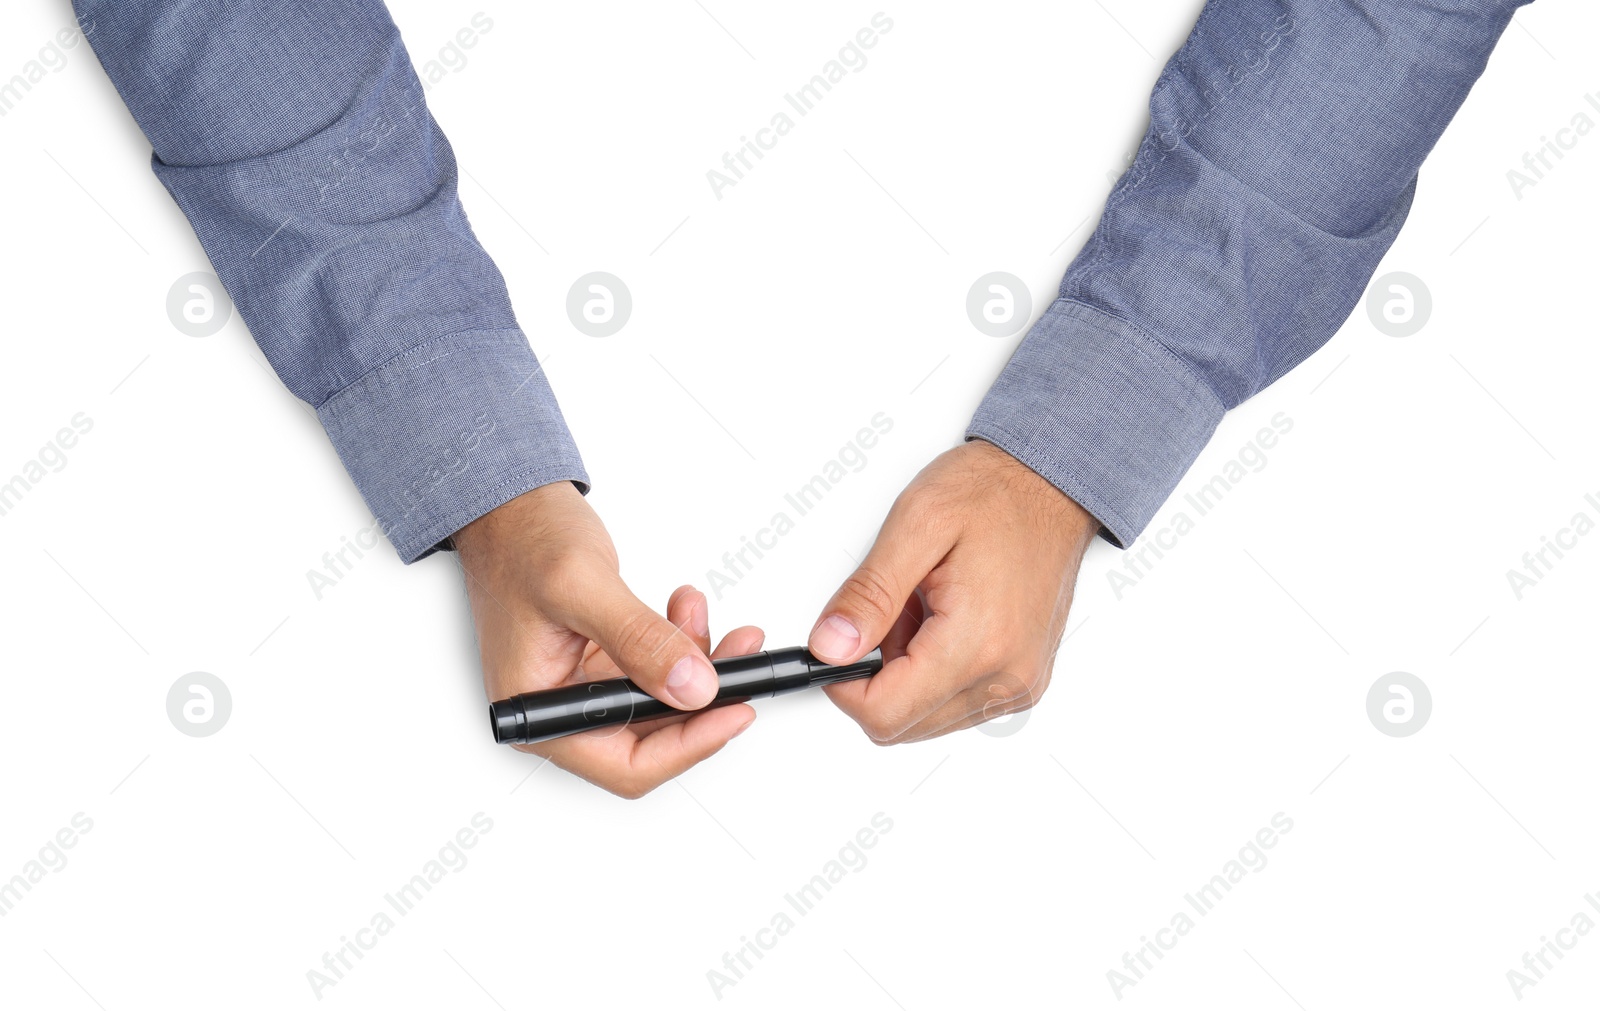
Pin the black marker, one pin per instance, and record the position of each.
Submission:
(557, 712)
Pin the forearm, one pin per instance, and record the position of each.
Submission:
(295, 138)
(1279, 164)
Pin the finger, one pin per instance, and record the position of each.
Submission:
(851, 695)
(969, 721)
(595, 662)
(681, 611)
(910, 687)
(660, 657)
(905, 627)
(631, 762)
(988, 698)
(871, 600)
(687, 608)
(674, 749)
(633, 759)
(741, 642)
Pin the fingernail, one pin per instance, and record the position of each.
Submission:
(692, 682)
(742, 729)
(835, 639)
(700, 618)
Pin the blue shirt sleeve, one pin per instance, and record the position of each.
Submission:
(1280, 161)
(295, 138)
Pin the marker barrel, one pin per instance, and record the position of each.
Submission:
(570, 709)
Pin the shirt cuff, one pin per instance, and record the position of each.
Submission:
(1102, 411)
(440, 435)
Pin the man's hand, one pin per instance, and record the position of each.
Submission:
(551, 609)
(967, 589)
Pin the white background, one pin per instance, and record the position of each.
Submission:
(1228, 685)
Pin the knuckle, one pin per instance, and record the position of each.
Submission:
(930, 509)
(919, 506)
(869, 590)
(636, 638)
(566, 574)
(992, 654)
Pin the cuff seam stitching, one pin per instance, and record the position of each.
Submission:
(1185, 374)
(399, 360)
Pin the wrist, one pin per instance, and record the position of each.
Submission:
(510, 520)
(1026, 487)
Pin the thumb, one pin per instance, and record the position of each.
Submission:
(869, 602)
(660, 657)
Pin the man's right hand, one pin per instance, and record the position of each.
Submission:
(550, 609)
